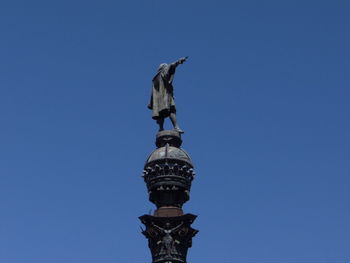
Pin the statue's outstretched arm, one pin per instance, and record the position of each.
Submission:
(179, 61)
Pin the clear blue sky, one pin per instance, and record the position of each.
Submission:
(263, 99)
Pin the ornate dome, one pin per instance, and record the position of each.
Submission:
(169, 152)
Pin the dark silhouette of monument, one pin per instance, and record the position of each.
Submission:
(168, 174)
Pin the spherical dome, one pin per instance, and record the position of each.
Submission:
(169, 152)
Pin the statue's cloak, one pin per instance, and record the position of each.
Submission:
(162, 101)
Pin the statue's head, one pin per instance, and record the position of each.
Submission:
(162, 66)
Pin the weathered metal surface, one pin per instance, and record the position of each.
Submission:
(168, 211)
(173, 138)
(162, 101)
(169, 237)
(169, 152)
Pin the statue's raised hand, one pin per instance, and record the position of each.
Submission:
(182, 60)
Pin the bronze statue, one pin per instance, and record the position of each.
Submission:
(162, 101)
(168, 242)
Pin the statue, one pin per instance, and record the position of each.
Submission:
(168, 242)
(162, 101)
(169, 238)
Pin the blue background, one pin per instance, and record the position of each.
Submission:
(263, 99)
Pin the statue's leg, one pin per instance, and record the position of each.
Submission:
(174, 122)
(160, 122)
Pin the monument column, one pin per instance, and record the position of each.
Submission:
(168, 174)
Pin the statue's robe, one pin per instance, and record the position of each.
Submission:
(162, 98)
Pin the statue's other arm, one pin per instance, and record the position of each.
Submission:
(158, 227)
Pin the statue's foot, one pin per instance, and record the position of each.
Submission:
(179, 130)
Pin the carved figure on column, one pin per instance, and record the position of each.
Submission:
(169, 237)
(162, 102)
(168, 242)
